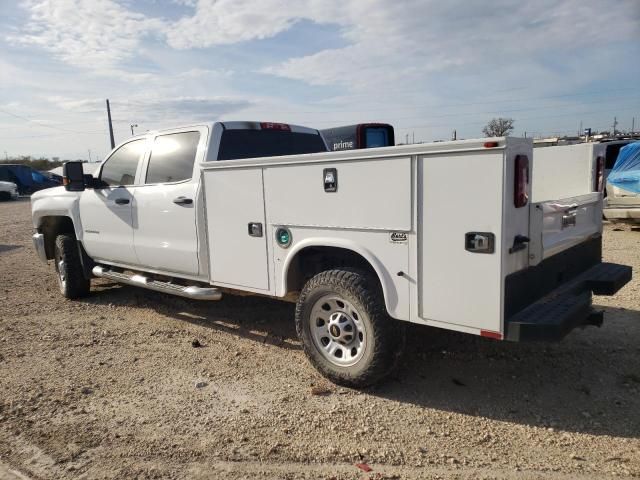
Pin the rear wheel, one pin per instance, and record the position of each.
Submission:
(345, 330)
(71, 279)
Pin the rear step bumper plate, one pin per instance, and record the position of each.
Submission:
(569, 306)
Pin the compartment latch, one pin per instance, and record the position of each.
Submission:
(480, 242)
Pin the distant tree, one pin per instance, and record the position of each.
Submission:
(41, 163)
(498, 127)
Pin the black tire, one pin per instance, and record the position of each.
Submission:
(382, 337)
(71, 279)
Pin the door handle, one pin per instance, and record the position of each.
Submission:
(122, 201)
(183, 201)
(519, 243)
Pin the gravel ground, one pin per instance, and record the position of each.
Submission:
(111, 387)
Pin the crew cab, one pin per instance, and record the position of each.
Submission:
(363, 241)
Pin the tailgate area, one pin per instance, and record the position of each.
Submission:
(547, 301)
(558, 225)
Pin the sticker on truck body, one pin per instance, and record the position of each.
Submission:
(398, 237)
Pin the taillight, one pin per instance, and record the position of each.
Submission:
(598, 181)
(275, 126)
(521, 187)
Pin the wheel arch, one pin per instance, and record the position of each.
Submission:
(311, 256)
(51, 226)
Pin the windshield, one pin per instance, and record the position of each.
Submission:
(237, 144)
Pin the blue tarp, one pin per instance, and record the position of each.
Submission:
(625, 173)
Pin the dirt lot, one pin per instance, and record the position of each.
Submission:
(111, 387)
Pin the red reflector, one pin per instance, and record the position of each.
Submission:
(490, 144)
(598, 181)
(275, 126)
(521, 184)
(490, 334)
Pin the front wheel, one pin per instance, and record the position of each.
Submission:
(71, 279)
(345, 329)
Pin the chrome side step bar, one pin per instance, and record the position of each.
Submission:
(137, 280)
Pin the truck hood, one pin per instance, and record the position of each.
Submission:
(52, 192)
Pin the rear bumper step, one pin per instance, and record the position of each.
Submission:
(555, 315)
(197, 293)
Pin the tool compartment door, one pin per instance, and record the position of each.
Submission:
(558, 225)
(461, 194)
(236, 230)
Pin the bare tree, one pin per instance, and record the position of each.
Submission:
(498, 127)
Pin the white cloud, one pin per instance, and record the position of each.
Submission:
(221, 22)
(404, 41)
(95, 34)
(387, 40)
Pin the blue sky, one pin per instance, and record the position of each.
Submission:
(426, 66)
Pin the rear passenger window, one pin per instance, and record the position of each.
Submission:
(172, 157)
(120, 168)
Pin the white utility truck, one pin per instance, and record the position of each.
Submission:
(440, 234)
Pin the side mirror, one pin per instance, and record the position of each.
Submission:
(73, 176)
(92, 182)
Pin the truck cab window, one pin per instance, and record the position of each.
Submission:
(120, 168)
(172, 157)
(244, 143)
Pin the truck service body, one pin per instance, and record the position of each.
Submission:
(440, 234)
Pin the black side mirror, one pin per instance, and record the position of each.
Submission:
(73, 176)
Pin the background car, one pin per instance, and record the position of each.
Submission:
(8, 191)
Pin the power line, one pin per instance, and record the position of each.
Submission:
(38, 123)
(377, 108)
(481, 122)
(495, 112)
(463, 104)
(47, 135)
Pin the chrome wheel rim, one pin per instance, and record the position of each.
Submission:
(61, 275)
(337, 330)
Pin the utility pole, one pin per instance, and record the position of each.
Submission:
(406, 139)
(113, 143)
(580, 129)
(633, 126)
(615, 124)
(454, 135)
(89, 155)
(6, 157)
(414, 138)
(133, 125)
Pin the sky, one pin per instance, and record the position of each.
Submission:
(425, 66)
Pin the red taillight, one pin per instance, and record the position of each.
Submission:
(275, 126)
(598, 181)
(521, 187)
(491, 144)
